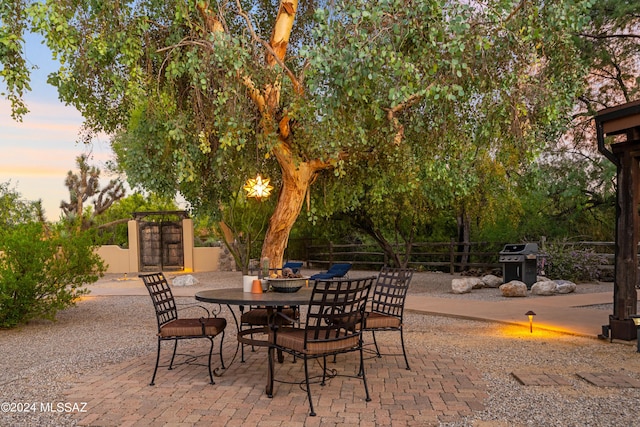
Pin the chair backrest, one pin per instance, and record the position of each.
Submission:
(162, 297)
(336, 310)
(391, 291)
(339, 270)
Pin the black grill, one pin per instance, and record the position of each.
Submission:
(520, 262)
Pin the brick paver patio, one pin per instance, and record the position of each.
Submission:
(437, 389)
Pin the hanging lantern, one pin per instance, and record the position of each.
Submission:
(258, 188)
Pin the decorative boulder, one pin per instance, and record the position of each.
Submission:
(491, 281)
(545, 287)
(476, 282)
(565, 286)
(462, 286)
(542, 279)
(514, 288)
(187, 280)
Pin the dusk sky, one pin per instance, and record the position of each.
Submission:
(38, 152)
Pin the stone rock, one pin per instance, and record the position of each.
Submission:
(476, 282)
(491, 281)
(542, 279)
(462, 286)
(514, 288)
(544, 287)
(187, 280)
(565, 286)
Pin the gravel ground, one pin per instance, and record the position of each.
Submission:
(42, 359)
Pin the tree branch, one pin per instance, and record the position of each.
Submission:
(609, 36)
(514, 11)
(212, 24)
(272, 54)
(391, 114)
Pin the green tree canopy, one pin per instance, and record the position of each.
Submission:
(383, 96)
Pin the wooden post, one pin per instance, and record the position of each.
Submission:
(330, 254)
(452, 257)
(626, 263)
(623, 120)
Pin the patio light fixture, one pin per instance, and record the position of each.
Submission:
(258, 188)
(530, 314)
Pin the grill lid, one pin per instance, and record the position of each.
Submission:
(520, 249)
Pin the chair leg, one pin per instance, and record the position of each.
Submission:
(155, 370)
(364, 377)
(175, 347)
(403, 349)
(306, 378)
(221, 358)
(209, 364)
(239, 325)
(270, 362)
(253, 349)
(324, 369)
(373, 334)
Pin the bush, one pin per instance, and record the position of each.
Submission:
(42, 271)
(565, 261)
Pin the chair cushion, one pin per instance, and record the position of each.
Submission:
(293, 338)
(193, 327)
(335, 271)
(259, 316)
(295, 266)
(321, 276)
(375, 320)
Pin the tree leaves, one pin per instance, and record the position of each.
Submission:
(416, 104)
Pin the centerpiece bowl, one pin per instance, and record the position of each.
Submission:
(287, 285)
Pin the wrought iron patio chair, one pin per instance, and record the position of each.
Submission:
(387, 304)
(173, 328)
(333, 325)
(258, 317)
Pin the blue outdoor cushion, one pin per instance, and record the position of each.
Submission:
(295, 266)
(336, 270)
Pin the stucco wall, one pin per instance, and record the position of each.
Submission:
(206, 259)
(118, 259)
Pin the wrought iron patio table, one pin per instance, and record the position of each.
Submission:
(273, 301)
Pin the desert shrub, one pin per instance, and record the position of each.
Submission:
(568, 262)
(42, 271)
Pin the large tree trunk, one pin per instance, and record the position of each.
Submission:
(295, 183)
(297, 175)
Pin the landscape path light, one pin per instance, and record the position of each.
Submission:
(530, 314)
